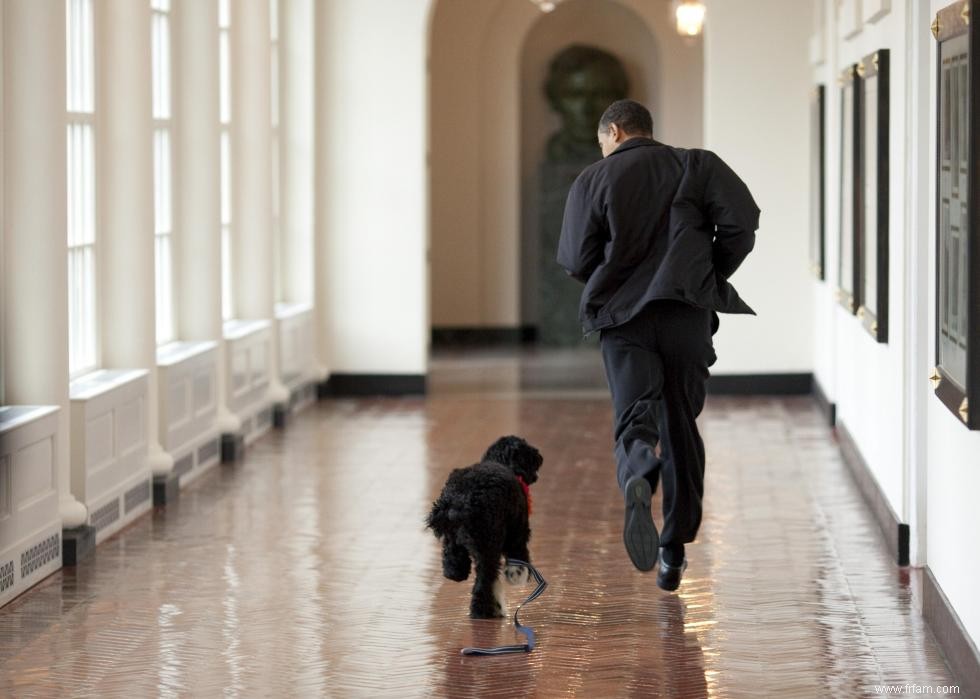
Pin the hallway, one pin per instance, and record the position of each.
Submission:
(305, 571)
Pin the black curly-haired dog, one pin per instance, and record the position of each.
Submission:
(483, 515)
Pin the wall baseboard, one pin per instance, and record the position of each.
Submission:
(348, 385)
(760, 384)
(484, 337)
(958, 648)
(827, 407)
(895, 531)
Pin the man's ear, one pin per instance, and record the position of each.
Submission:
(615, 132)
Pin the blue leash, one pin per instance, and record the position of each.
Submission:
(526, 630)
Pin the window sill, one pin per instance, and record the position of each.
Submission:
(285, 311)
(237, 329)
(15, 416)
(175, 352)
(101, 382)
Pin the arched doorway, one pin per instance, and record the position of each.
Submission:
(487, 123)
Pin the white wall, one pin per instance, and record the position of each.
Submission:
(953, 452)
(371, 189)
(756, 86)
(925, 460)
(863, 377)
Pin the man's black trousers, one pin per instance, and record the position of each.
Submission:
(657, 364)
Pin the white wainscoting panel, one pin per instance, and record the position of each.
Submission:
(248, 346)
(30, 526)
(295, 343)
(188, 376)
(109, 469)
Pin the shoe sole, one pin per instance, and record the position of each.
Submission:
(640, 533)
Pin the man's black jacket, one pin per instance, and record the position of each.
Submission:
(655, 222)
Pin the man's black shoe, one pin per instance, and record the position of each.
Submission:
(668, 576)
(639, 532)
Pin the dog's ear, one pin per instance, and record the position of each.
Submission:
(516, 453)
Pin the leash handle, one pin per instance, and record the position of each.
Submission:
(527, 631)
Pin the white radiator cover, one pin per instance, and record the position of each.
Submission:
(109, 469)
(187, 374)
(30, 525)
(248, 344)
(296, 359)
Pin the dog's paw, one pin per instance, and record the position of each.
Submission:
(516, 575)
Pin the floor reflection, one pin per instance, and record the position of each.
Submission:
(305, 570)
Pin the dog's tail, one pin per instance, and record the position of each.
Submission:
(443, 519)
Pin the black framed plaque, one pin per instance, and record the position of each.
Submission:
(850, 188)
(956, 379)
(872, 247)
(818, 162)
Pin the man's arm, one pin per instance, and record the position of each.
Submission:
(580, 248)
(733, 212)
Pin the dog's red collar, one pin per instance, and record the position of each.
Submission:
(527, 493)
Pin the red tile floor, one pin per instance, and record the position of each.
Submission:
(304, 570)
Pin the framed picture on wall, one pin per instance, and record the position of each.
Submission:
(872, 248)
(817, 182)
(956, 378)
(850, 188)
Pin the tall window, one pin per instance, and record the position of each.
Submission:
(274, 117)
(224, 78)
(162, 168)
(82, 306)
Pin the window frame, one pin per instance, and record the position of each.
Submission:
(91, 338)
(167, 124)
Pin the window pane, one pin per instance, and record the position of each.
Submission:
(224, 13)
(224, 77)
(163, 204)
(79, 56)
(161, 66)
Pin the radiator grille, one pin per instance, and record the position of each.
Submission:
(39, 555)
(208, 451)
(137, 495)
(184, 464)
(106, 515)
(263, 418)
(6, 576)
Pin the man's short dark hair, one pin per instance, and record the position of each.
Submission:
(632, 117)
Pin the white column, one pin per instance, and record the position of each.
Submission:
(297, 154)
(126, 203)
(197, 185)
(324, 118)
(251, 148)
(35, 274)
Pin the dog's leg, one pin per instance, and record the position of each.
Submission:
(455, 561)
(484, 604)
(500, 595)
(516, 548)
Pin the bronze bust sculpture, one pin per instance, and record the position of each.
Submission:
(582, 82)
